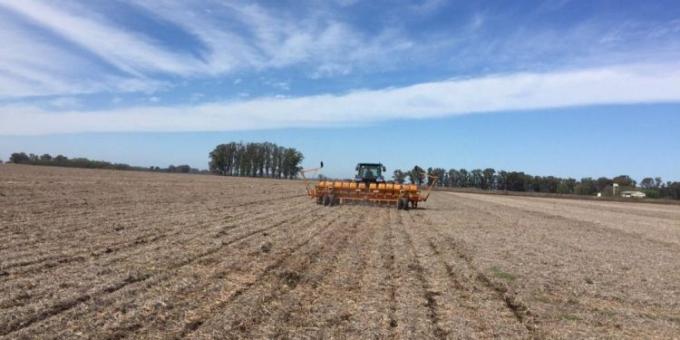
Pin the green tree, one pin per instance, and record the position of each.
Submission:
(464, 178)
(647, 183)
(488, 179)
(398, 176)
(417, 175)
(19, 158)
(602, 183)
(441, 176)
(624, 181)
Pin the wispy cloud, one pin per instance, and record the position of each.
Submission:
(127, 51)
(271, 38)
(65, 103)
(237, 37)
(611, 85)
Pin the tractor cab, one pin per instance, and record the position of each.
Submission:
(370, 173)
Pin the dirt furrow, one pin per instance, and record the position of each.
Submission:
(272, 295)
(20, 290)
(565, 271)
(171, 303)
(324, 303)
(656, 229)
(111, 226)
(13, 325)
(475, 305)
(388, 254)
(108, 257)
(430, 292)
(152, 236)
(413, 312)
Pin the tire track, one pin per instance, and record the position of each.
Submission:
(122, 221)
(294, 274)
(289, 278)
(68, 304)
(111, 264)
(429, 294)
(595, 225)
(390, 278)
(357, 278)
(503, 292)
(313, 308)
(203, 291)
(413, 311)
(148, 238)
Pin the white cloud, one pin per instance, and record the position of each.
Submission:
(129, 52)
(270, 38)
(427, 6)
(613, 85)
(65, 103)
(94, 53)
(101, 55)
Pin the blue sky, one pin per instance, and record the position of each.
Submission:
(569, 88)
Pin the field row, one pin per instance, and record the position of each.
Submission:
(158, 256)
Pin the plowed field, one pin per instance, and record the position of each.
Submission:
(105, 254)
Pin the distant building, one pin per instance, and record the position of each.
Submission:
(633, 194)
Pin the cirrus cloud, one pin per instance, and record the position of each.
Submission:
(624, 84)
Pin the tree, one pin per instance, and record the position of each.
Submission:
(60, 160)
(399, 176)
(183, 169)
(502, 180)
(476, 178)
(291, 161)
(255, 159)
(218, 160)
(453, 178)
(464, 180)
(602, 183)
(440, 174)
(488, 179)
(570, 183)
(647, 183)
(517, 181)
(658, 182)
(18, 158)
(624, 181)
(417, 175)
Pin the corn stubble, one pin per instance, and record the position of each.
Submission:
(105, 254)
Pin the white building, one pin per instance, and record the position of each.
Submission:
(633, 194)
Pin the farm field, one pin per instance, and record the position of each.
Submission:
(114, 254)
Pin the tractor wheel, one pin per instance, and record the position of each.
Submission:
(326, 200)
(332, 200)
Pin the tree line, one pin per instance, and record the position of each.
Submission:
(255, 160)
(492, 180)
(81, 162)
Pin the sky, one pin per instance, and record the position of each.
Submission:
(559, 87)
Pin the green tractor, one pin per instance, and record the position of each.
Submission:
(370, 173)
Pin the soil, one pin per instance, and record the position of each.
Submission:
(115, 254)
